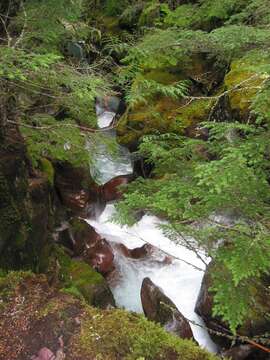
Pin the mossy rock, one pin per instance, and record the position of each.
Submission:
(87, 333)
(47, 168)
(79, 278)
(244, 80)
(25, 208)
(117, 334)
(161, 116)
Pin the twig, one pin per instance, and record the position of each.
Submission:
(24, 27)
(227, 334)
(9, 39)
(47, 128)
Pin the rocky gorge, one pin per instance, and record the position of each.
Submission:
(109, 114)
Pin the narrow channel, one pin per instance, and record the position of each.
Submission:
(179, 281)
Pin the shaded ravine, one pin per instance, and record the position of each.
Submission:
(179, 281)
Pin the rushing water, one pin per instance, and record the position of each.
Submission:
(179, 281)
(108, 166)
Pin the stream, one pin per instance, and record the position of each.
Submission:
(179, 281)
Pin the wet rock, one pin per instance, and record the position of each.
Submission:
(111, 191)
(88, 244)
(204, 306)
(136, 253)
(159, 308)
(240, 352)
(255, 324)
(153, 254)
(77, 191)
(78, 277)
(44, 354)
(76, 50)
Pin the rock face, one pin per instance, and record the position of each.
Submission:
(240, 352)
(76, 189)
(159, 308)
(88, 244)
(111, 191)
(25, 206)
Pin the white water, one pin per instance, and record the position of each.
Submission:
(179, 281)
(108, 166)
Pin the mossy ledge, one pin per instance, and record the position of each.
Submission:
(46, 314)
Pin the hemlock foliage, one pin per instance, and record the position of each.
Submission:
(54, 97)
(197, 182)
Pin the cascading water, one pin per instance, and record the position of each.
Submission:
(108, 166)
(179, 281)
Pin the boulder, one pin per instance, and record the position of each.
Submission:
(146, 251)
(44, 354)
(255, 324)
(113, 189)
(170, 115)
(79, 278)
(136, 253)
(240, 352)
(76, 188)
(243, 81)
(159, 308)
(88, 244)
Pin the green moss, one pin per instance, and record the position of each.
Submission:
(162, 115)
(77, 277)
(13, 230)
(88, 333)
(119, 334)
(8, 282)
(193, 113)
(48, 169)
(244, 80)
(78, 225)
(164, 76)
